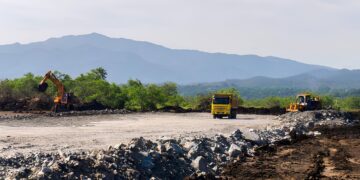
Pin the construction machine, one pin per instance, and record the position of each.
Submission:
(223, 105)
(305, 102)
(63, 101)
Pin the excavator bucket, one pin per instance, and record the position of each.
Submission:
(42, 87)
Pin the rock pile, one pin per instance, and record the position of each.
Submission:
(89, 112)
(297, 124)
(25, 115)
(164, 158)
(321, 117)
(140, 159)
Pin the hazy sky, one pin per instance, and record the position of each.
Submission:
(325, 32)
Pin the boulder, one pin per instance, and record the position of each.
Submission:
(200, 164)
(254, 137)
(44, 171)
(173, 148)
(147, 163)
(237, 135)
(234, 151)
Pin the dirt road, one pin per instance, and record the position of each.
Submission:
(48, 134)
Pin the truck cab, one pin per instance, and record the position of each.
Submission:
(224, 105)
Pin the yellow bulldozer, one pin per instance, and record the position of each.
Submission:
(305, 102)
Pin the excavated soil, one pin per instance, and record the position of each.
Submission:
(333, 155)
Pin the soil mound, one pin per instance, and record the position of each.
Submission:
(332, 155)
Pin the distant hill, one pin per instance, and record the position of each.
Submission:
(333, 79)
(148, 62)
(320, 80)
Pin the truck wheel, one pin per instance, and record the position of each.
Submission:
(232, 114)
(214, 116)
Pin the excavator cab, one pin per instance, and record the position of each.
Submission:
(69, 98)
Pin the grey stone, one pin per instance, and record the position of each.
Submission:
(253, 136)
(237, 134)
(120, 146)
(172, 147)
(147, 163)
(45, 170)
(217, 148)
(200, 164)
(234, 150)
(188, 145)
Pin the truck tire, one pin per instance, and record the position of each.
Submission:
(233, 114)
(214, 116)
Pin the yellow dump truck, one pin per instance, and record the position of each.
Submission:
(224, 105)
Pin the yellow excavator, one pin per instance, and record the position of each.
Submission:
(305, 102)
(63, 101)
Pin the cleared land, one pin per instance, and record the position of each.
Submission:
(333, 155)
(49, 134)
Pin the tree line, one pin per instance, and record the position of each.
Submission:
(135, 95)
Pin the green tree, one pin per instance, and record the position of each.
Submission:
(349, 103)
(6, 92)
(327, 101)
(136, 95)
(272, 102)
(99, 73)
(25, 86)
(93, 87)
(171, 95)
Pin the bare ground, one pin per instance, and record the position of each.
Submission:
(49, 134)
(333, 155)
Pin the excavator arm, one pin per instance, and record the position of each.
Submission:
(60, 87)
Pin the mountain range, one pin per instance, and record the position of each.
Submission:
(323, 81)
(126, 59)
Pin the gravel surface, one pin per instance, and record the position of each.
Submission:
(39, 133)
(185, 145)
